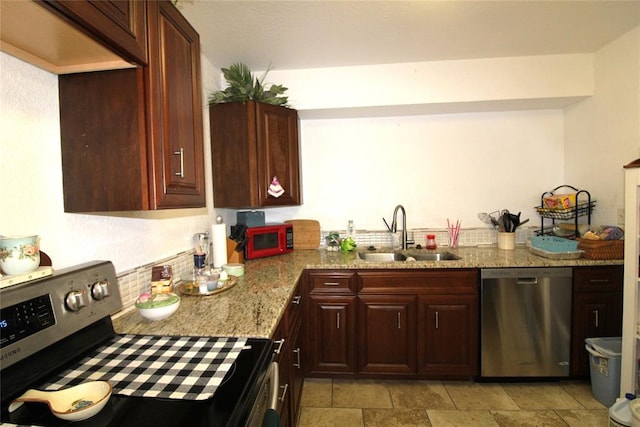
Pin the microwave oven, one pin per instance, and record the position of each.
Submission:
(268, 240)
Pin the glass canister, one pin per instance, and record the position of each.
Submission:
(201, 249)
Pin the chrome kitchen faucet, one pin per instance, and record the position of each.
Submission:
(394, 225)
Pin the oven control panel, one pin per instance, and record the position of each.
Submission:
(24, 319)
(39, 313)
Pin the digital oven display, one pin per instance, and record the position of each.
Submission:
(24, 319)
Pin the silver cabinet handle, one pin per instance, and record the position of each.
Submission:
(284, 392)
(598, 280)
(297, 364)
(597, 321)
(296, 300)
(437, 320)
(280, 344)
(399, 324)
(337, 320)
(181, 154)
(331, 283)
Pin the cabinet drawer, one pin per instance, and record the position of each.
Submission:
(598, 279)
(334, 282)
(436, 282)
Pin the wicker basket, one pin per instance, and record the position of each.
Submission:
(601, 249)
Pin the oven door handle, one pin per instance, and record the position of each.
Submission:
(275, 386)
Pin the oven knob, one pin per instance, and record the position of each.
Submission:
(75, 300)
(100, 290)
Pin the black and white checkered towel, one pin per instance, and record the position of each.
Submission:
(188, 368)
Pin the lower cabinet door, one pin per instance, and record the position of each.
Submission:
(387, 333)
(595, 315)
(331, 334)
(448, 335)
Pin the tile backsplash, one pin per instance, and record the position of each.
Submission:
(138, 280)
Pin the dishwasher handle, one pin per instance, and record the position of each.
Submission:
(527, 280)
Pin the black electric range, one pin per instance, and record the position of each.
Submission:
(53, 323)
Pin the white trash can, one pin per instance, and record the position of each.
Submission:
(604, 358)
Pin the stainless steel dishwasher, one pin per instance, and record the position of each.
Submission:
(525, 322)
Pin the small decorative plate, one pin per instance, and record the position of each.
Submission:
(189, 288)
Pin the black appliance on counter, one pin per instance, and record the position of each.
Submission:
(50, 324)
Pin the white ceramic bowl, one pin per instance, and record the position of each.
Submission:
(157, 306)
(19, 254)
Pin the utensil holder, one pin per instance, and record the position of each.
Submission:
(506, 241)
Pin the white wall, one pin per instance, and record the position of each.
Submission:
(31, 184)
(456, 165)
(603, 132)
(437, 166)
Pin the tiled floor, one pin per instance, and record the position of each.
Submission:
(378, 403)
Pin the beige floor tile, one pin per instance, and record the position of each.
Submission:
(420, 395)
(528, 419)
(479, 396)
(538, 396)
(360, 394)
(374, 417)
(316, 392)
(581, 391)
(585, 417)
(441, 418)
(330, 417)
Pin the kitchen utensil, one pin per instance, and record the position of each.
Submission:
(72, 404)
(306, 233)
(487, 218)
(239, 235)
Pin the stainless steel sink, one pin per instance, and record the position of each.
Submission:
(382, 256)
(435, 256)
(397, 256)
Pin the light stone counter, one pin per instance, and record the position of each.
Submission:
(255, 305)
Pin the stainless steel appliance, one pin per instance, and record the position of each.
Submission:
(51, 324)
(525, 322)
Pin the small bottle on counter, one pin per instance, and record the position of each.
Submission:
(351, 229)
(431, 241)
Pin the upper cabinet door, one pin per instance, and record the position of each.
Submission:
(118, 24)
(278, 154)
(175, 108)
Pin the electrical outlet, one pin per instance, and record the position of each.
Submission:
(621, 216)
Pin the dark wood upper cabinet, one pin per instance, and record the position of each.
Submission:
(75, 36)
(120, 25)
(251, 143)
(132, 139)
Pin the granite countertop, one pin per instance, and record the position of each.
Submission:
(255, 305)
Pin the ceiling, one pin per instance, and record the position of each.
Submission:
(321, 33)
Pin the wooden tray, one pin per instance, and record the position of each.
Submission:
(190, 289)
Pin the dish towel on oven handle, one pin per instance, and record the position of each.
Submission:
(189, 368)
